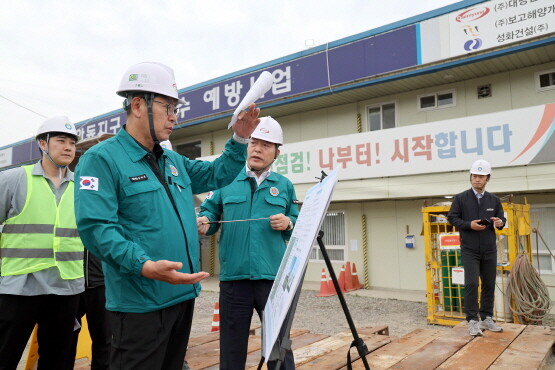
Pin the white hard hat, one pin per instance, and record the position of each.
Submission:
(58, 124)
(166, 144)
(149, 77)
(268, 130)
(480, 167)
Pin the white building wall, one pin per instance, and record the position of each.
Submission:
(392, 205)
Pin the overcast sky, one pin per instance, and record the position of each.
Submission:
(67, 57)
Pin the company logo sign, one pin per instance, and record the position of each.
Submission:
(474, 44)
(472, 14)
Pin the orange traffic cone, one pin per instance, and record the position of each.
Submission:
(216, 318)
(356, 283)
(324, 287)
(342, 279)
(331, 288)
(348, 277)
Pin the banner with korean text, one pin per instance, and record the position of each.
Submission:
(508, 138)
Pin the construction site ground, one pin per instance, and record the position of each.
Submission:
(321, 333)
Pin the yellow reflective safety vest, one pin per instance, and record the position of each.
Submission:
(44, 234)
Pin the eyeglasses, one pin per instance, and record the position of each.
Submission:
(170, 108)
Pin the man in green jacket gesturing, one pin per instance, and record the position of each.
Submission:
(250, 252)
(134, 210)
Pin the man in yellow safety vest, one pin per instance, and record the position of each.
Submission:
(40, 250)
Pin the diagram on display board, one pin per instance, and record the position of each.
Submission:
(295, 259)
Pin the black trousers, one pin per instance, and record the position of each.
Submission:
(238, 299)
(92, 302)
(55, 316)
(482, 266)
(153, 340)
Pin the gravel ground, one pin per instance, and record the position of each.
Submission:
(324, 315)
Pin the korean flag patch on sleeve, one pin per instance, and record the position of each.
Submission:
(88, 183)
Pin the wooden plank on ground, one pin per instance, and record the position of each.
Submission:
(303, 339)
(437, 351)
(254, 328)
(308, 353)
(337, 358)
(481, 352)
(204, 355)
(212, 360)
(210, 337)
(338, 341)
(398, 349)
(379, 329)
(307, 342)
(207, 355)
(529, 350)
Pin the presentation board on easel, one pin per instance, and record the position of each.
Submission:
(294, 261)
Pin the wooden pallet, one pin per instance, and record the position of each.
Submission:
(203, 352)
(517, 347)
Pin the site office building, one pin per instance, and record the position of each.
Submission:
(402, 110)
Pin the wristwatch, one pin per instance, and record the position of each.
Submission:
(290, 227)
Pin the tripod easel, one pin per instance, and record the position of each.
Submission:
(283, 343)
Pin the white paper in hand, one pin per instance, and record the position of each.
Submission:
(259, 88)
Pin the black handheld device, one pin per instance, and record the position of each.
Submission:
(484, 222)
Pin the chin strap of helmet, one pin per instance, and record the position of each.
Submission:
(60, 167)
(149, 98)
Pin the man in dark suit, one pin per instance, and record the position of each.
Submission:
(475, 213)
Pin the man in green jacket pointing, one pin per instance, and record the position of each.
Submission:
(134, 210)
